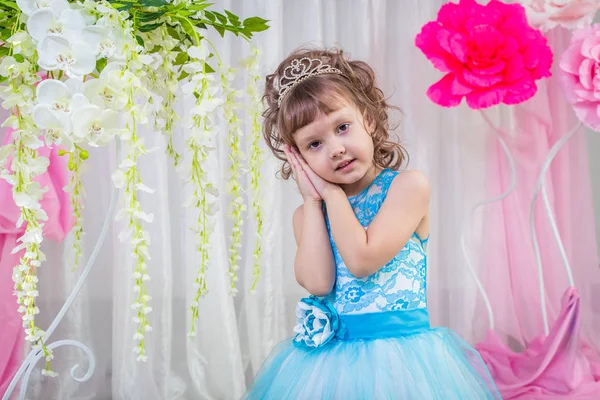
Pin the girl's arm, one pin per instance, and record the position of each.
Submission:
(314, 265)
(366, 251)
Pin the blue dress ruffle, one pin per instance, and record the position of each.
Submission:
(386, 355)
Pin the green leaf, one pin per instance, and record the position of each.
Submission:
(173, 32)
(139, 40)
(234, 19)
(101, 64)
(220, 29)
(150, 16)
(124, 7)
(10, 4)
(183, 76)
(19, 57)
(181, 58)
(188, 29)
(221, 17)
(4, 51)
(149, 27)
(208, 69)
(199, 7)
(155, 49)
(256, 24)
(3, 78)
(210, 16)
(153, 3)
(123, 4)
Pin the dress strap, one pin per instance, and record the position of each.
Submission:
(386, 178)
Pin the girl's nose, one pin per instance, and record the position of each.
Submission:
(337, 151)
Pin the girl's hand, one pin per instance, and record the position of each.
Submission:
(307, 189)
(322, 186)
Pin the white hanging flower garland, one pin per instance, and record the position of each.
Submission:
(82, 73)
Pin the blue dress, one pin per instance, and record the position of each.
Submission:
(371, 337)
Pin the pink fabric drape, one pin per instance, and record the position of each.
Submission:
(511, 278)
(57, 205)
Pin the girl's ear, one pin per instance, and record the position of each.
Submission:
(369, 122)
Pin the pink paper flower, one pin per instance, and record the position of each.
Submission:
(571, 14)
(490, 53)
(580, 75)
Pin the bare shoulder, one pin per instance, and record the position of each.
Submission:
(409, 195)
(413, 183)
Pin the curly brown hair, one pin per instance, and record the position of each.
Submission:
(326, 93)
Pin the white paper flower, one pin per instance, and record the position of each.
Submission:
(57, 52)
(105, 42)
(97, 125)
(44, 22)
(571, 14)
(30, 6)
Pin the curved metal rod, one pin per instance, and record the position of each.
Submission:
(38, 356)
(35, 355)
(513, 183)
(540, 185)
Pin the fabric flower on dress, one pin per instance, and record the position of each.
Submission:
(490, 54)
(318, 323)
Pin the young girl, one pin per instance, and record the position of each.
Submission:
(362, 233)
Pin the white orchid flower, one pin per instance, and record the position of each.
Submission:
(104, 93)
(30, 6)
(9, 67)
(105, 42)
(109, 91)
(63, 98)
(56, 130)
(96, 125)
(57, 52)
(45, 21)
(22, 43)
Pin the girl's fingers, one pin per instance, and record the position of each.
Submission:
(290, 157)
(303, 165)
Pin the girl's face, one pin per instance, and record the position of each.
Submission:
(339, 148)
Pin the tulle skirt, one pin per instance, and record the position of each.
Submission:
(431, 364)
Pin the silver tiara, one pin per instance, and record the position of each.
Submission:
(299, 70)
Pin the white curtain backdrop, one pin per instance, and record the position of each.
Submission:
(236, 334)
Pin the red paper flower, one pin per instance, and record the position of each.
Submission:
(490, 53)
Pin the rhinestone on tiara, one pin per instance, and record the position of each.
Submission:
(299, 70)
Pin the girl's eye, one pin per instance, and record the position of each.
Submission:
(314, 145)
(343, 128)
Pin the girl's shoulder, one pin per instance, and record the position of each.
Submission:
(409, 180)
(409, 188)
